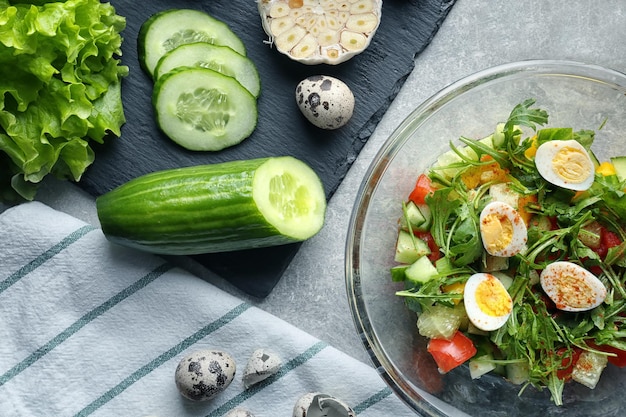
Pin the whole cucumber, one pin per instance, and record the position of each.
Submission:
(221, 207)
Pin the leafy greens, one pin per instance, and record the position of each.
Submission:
(60, 89)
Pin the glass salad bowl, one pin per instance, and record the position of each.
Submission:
(575, 95)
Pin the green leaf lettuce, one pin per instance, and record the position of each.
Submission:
(60, 89)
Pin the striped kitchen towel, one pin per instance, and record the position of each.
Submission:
(90, 328)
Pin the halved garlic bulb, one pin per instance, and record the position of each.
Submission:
(320, 31)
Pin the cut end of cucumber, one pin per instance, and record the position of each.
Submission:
(290, 196)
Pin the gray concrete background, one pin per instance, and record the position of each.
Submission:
(476, 35)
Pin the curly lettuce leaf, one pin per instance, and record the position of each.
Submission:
(60, 89)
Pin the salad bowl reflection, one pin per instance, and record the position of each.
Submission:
(583, 97)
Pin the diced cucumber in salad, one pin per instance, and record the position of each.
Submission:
(511, 250)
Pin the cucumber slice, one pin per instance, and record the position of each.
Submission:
(410, 248)
(218, 58)
(221, 207)
(481, 365)
(619, 163)
(421, 271)
(412, 218)
(203, 110)
(168, 29)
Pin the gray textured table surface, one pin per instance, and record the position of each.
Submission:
(476, 35)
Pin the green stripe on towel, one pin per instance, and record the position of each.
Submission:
(374, 399)
(84, 320)
(161, 359)
(44, 257)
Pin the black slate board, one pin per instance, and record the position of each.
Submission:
(375, 76)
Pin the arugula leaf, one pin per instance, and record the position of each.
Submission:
(524, 115)
(501, 158)
(445, 207)
(455, 227)
(60, 81)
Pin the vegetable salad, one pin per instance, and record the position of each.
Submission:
(511, 249)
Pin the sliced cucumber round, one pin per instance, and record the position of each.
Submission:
(203, 110)
(168, 29)
(222, 59)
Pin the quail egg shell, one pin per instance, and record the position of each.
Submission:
(325, 101)
(571, 287)
(317, 404)
(565, 163)
(502, 230)
(487, 302)
(203, 374)
(262, 364)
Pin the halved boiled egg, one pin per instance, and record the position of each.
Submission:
(565, 163)
(571, 287)
(502, 230)
(487, 302)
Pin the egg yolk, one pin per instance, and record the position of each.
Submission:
(497, 232)
(571, 165)
(492, 298)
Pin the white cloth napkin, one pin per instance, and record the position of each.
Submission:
(90, 328)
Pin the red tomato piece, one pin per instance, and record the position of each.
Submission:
(432, 245)
(423, 187)
(608, 240)
(449, 354)
(567, 363)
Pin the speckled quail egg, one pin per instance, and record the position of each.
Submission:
(565, 163)
(502, 230)
(316, 404)
(203, 374)
(239, 412)
(325, 101)
(262, 364)
(487, 302)
(571, 287)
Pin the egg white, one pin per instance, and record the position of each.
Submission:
(491, 241)
(571, 287)
(500, 298)
(574, 172)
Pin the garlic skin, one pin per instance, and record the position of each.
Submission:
(203, 374)
(325, 101)
(320, 31)
(316, 404)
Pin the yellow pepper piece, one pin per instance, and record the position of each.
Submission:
(456, 288)
(523, 211)
(532, 151)
(606, 169)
